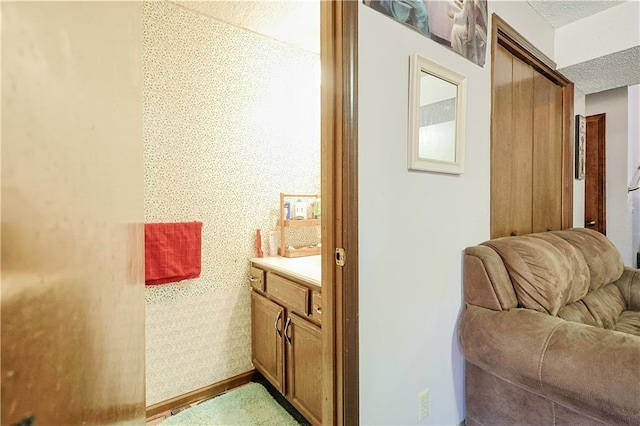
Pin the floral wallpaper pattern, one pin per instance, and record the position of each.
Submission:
(231, 119)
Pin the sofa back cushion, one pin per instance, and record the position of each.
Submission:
(545, 270)
(603, 259)
(600, 308)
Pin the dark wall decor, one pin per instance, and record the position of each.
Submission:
(580, 149)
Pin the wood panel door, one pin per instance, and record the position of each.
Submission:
(304, 367)
(267, 343)
(511, 148)
(595, 213)
(531, 165)
(547, 155)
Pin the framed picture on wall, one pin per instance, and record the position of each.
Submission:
(459, 25)
(581, 145)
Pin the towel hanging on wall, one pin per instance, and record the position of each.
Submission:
(172, 252)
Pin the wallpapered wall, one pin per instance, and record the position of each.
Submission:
(231, 119)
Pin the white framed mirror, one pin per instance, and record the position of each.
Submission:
(437, 104)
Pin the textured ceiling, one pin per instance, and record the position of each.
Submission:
(606, 72)
(562, 12)
(295, 22)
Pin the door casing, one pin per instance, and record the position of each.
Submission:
(339, 187)
(595, 186)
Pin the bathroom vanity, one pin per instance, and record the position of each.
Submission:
(286, 333)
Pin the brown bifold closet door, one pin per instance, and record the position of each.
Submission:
(531, 180)
(547, 155)
(72, 314)
(512, 153)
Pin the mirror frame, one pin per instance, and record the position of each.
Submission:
(419, 64)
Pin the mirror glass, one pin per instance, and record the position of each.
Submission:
(437, 104)
(437, 119)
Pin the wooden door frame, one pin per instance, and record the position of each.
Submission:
(339, 187)
(506, 36)
(601, 120)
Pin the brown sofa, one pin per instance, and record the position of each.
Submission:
(551, 331)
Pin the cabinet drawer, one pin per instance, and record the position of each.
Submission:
(316, 306)
(293, 295)
(257, 279)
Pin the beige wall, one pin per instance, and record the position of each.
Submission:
(72, 212)
(231, 119)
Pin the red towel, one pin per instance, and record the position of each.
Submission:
(172, 252)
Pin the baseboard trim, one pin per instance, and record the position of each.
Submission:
(202, 393)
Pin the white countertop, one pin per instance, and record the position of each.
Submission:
(307, 269)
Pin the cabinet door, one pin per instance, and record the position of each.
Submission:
(304, 367)
(267, 343)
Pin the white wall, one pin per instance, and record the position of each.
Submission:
(612, 30)
(633, 165)
(615, 105)
(414, 226)
(527, 22)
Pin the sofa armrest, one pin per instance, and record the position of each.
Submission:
(629, 286)
(588, 369)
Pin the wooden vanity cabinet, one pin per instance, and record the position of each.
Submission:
(304, 368)
(267, 344)
(286, 340)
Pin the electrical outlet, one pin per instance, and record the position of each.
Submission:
(423, 405)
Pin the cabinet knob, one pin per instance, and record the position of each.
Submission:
(318, 309)
(590, 223)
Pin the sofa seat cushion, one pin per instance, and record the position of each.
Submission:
(629, 322)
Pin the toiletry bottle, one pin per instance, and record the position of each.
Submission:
(273, 250)
(310, 210)
(259, 252)
(316, 208)
(287, 210)
(298, 210)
